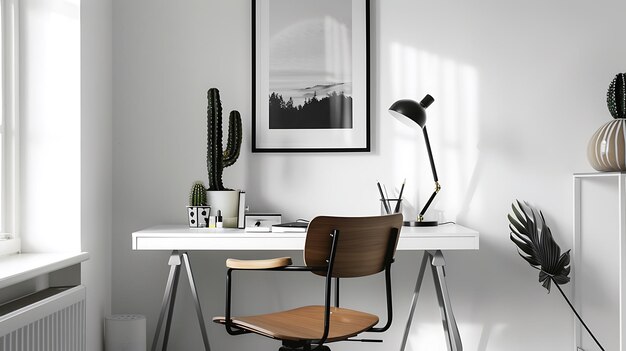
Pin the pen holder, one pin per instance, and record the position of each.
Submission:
(394, 206)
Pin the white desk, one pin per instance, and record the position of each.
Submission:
(180, 239)
(177, 237)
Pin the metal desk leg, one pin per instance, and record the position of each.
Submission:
(172, 282)
(447, 316)
(194, 292)
(169, 298)
(416, 293)
(170, 312)
(437, 264)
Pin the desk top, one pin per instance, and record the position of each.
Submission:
(180, 237)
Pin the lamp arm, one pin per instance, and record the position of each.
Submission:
(435, 177)
(420, 217)
(430, 155)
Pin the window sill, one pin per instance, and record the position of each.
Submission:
(17, 268)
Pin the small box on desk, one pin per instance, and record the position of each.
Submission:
(261, 222)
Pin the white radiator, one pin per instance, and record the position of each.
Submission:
(47, 321)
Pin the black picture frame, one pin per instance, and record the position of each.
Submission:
(337, 131)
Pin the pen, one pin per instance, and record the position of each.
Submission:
(387, 199)
(397, 209)
(382, 198)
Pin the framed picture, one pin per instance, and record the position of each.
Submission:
(310, 76)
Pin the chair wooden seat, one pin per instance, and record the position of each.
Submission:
(258, 264)
(305, 323)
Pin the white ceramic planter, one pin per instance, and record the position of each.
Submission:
(226, 201)
(607, 148)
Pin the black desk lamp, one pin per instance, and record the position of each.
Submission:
(416, 112)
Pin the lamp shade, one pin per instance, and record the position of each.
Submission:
(411, 109)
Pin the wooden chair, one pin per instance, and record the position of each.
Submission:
(335, 247)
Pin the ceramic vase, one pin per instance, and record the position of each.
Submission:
(607, 148)
(226, 201)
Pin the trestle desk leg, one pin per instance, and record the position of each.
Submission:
(172, 282)
(194, 292)
(170, 312)
(176, 260)
(453, 337)
(416, 293)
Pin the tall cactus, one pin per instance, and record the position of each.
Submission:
(216, 157)
(616, 96)
(197, 195)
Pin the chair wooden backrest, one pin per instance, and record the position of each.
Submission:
(362, 246)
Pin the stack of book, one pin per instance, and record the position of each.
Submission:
(291, 227)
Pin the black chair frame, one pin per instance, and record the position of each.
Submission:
(306, 345)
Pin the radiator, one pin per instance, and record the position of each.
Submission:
(50, 320)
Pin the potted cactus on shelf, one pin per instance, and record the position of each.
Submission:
(607, 148)
(218, 196)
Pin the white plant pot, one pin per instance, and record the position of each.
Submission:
(226, 201)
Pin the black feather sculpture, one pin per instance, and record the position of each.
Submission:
(537, 246)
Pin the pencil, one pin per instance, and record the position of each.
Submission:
(382, 198)
(387, 199)
(397, 209)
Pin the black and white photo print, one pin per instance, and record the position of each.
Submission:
(311, 75)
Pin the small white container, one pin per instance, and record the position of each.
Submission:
(125, 332)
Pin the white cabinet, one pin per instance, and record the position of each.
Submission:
(599, 269)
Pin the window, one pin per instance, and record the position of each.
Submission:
(9, 238)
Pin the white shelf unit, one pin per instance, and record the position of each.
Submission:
(599, 270)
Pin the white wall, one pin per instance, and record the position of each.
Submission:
(519, 89)
(96, 162)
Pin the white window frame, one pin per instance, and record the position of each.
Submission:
(9, 128)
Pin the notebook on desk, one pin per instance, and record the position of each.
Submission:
(290, 227)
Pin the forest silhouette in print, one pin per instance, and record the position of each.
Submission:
(310, 65)
(331, 111)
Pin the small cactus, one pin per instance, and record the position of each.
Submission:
(197, 195)
(616, 96)
(216, 157)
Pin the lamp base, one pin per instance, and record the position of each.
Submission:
(420, 224)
